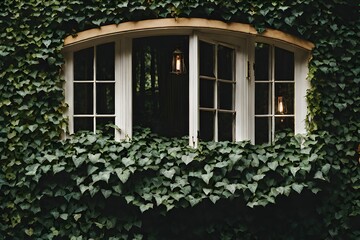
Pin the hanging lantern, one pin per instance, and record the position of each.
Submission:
(178, 63)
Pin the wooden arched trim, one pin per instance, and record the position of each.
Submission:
(171, 24)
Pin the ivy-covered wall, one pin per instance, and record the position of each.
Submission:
(90, 187)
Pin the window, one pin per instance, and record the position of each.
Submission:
(160, 97)
(94, 88)
(236, 86)
(274, 91)
(217, 91)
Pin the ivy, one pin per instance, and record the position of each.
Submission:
(90, 187)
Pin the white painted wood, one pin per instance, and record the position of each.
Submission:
(301, 86)
(193, 89)
(69, 92)
(123, 89)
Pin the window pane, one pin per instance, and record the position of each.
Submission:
(284, 64)
(83, 64)
(105, 103)
(207, 93)
(207, 58)
(225, 126)
(262, 62)
(105, 62)
(225, 62)
(160, 98)
(101, 124)
(83, 123)
(284, 98)
(206, 126)
(262, 98)
(284, 123)
(83, 98)
(225, 96)
(262, 130)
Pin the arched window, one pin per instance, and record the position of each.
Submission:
(206, 79)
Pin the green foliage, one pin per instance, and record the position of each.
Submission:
(155, 188)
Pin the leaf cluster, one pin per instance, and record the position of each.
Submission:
(92, 187)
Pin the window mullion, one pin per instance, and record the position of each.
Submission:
(272, 95)
(94, 91)
(216, 122)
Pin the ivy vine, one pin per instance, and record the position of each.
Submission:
(90, 187)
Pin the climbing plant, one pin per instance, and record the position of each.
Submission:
(91, 187)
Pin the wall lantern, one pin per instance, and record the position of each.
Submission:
(178, 63)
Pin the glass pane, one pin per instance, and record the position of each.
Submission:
(262, 98)
(83, 98)
(284, 64)
(206, 126)
(262, 62)
(105, 62)
(102, 125)
(225, 126)
(284, 123)
(105, 102)
(225, 62)
(83, 64)
(225, 96)
(284, 98)
(207, 93)
(83, 123)
(262, 130)
(207, 58)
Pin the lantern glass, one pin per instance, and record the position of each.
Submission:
(178, 63)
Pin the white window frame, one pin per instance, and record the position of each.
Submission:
(301, 85)
(244, 46)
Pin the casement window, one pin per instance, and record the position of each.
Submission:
(94, 88)
(217, 92)
(274, 91)
(207, 85)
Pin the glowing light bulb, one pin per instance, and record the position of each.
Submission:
(280, 105)
(178, 64)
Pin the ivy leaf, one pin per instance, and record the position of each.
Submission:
(206, 177)
(31, 169)
(101, 176)
(64, 216)
(193, 201)
(297, 187)
(94, 157)
(319, 175)
(273, 165)
(169, 173)
(127, 161)
(231, 188)
(106, 193)
(47, 43)
(253, 186)
(123, 175)
(258, 177)
(145, 207)
(214, 198)
(325, 169)
(207, 191)
(255, 160)
(294, 170)
(78, 160)
(188, 158)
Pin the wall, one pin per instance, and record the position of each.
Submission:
(92, 187)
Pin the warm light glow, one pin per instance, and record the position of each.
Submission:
(178, 63)
(280, 105)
